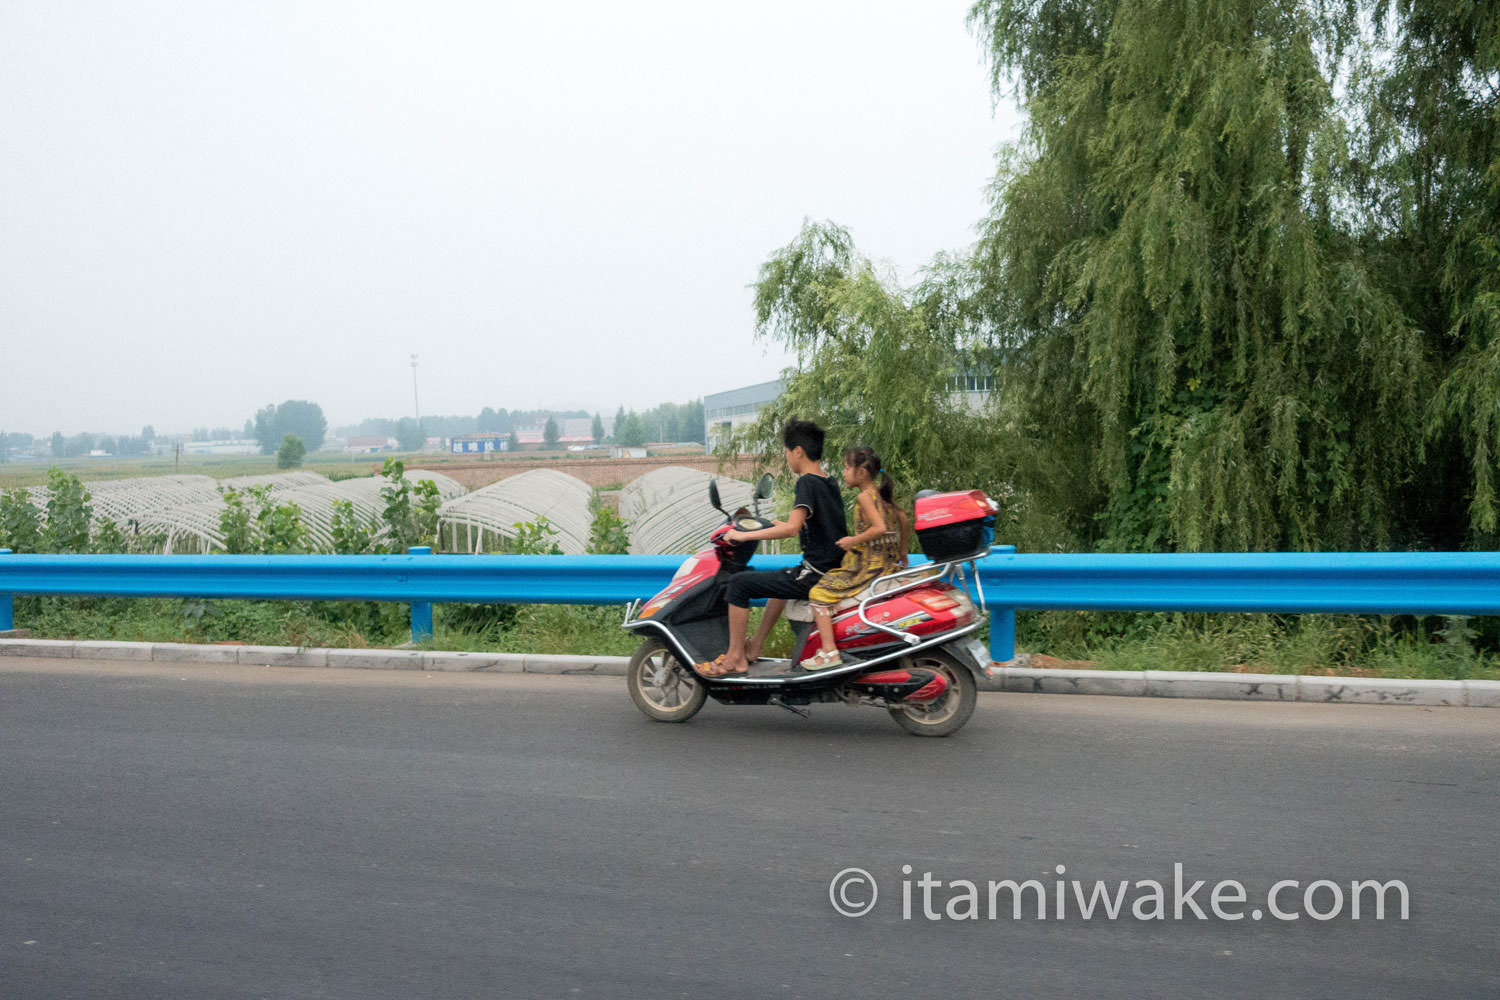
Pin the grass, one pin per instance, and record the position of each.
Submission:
(1451, 648)
(525, 628)
(1345, 645)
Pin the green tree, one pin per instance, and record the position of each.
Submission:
(260, 525)
(278, 526)
(550, 435)
(535, 538)
(598, 429)
(295, 416)
(352, 535)
(631, 432)
(409, 434)
(1427, 176)
(108, 538)
(291, 452)
(411, 508)
(20, 524)
(694, 427)
(69, 514)
(234, 523)
(1185, 320)
(79, 444)
(876, 359)
(674, 422)
(266, 429)
(607, 534)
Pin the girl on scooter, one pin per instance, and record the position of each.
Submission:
(877, 548)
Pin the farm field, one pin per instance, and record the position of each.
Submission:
(598, 470)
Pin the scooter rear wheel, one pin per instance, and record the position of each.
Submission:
(947, 713)
(661, 685)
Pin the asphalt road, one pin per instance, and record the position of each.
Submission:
(197, 831)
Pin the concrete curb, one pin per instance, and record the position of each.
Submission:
(291, 656)
(1013, 676)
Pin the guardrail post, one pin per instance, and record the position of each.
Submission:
(7, 607)
(1003, 623)
(421, 611)
(1003, 634)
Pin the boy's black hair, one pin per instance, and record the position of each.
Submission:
(806, 435)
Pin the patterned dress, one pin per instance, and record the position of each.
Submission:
(864, 563)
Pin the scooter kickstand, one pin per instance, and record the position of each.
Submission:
(792, 708)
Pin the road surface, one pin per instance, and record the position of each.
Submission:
(210, 831)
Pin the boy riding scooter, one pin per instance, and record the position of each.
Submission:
(817, 519)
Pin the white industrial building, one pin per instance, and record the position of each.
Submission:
(723, 412)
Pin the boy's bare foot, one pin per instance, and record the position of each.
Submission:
(725, 665)
(752, 651)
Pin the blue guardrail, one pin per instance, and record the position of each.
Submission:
(1346, 582)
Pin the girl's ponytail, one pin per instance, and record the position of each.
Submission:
(864, 457)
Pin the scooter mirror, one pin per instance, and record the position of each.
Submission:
(713, 497)
(763, 490)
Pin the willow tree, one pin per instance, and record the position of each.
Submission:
(1428, 175)
(1188, 315)
(875, 360)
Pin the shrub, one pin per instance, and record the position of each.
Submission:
(68, 514)
(20, 524)
(291, 452)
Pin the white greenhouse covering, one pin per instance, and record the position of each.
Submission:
(666, 510)
(119, 500)
(478, 521)
(137, 501)
(194, 527)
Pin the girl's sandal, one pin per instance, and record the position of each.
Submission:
(821, 659)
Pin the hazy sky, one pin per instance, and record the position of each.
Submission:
(210, 206)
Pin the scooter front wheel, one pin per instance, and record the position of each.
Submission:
(947, 713)
(663, 686)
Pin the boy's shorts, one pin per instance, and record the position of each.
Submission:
(792, 584)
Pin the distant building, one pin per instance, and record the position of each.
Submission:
(369, 444)
(971, 388)
(574, 430)
(241, 446)
(723, 412)
(479, 444)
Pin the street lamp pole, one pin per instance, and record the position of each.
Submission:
(416, 405)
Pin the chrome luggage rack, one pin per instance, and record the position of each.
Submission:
(945, 568)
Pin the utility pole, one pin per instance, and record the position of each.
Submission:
(417, 406)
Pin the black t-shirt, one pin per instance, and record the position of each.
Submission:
(825, 523)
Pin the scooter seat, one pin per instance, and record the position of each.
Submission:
(801, 611)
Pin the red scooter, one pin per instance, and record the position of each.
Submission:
(907, 643)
